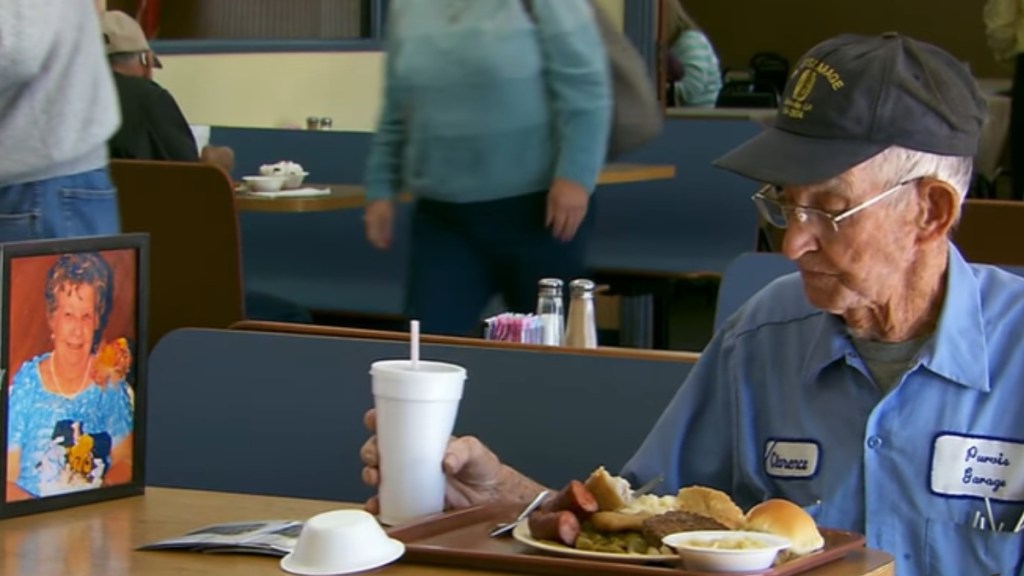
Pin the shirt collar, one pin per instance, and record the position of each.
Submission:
(831, 345)
(958, 349)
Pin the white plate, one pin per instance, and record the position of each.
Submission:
(522, 534)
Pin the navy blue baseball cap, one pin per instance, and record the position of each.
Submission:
(851, 97)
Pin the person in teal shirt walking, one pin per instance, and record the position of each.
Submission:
(496, 116)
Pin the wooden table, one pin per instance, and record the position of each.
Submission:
(101, 539)
(348, 196)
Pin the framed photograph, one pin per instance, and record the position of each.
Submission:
(73, 366)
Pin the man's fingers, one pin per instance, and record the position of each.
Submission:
(373, 505)
(370, 420)
(461, 452)
(468, 460)
(454, 497)
(371, 476)
(368, 453)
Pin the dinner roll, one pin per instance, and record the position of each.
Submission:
(611, 492)
(786, 519)
(710, 503)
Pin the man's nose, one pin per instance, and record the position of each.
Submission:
(798, 240)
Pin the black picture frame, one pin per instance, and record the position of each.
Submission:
(129, 378)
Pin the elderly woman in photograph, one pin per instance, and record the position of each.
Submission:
(70, 412)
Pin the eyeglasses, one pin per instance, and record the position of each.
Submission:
(781, 215)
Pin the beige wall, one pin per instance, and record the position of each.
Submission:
(281, 90)
(276, 90)
(739, 28)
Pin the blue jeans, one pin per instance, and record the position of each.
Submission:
(462, 254)
(83, 204)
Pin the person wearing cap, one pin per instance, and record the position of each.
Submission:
(879, 387)
(59, 108)
(153, 126)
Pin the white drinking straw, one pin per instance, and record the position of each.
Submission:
(414, 343)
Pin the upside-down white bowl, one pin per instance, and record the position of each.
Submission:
(341, 542)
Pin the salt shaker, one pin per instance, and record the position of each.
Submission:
(549, 310)
(326, 123)
(581, 329)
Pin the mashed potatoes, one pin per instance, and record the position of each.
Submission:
(652, 504)
(745, 543)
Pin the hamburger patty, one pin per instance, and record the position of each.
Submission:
(657, 527)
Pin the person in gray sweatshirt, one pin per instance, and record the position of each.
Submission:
(58, 108)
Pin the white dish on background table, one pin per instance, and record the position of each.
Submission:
(300, 193)
(264, 183)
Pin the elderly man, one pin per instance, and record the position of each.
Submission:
(879, 388)
(153, 127)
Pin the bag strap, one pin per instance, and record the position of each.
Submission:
(528, 6)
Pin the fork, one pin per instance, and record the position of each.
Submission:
(505, 527)
(649, 485)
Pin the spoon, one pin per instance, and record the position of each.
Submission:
(507, 526)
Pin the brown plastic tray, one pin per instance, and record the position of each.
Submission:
(461, 539)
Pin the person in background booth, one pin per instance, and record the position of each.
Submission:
(694, 73)
(70, 412)
(59, 108)
(1004, 28)
(880, 386)
(496, 117)
(153, 127)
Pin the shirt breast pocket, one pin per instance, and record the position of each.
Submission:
(982, 552)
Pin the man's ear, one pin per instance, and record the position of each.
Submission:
(938, 208)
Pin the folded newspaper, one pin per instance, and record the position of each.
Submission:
(271, 537)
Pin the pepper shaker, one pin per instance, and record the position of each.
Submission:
(581, 329)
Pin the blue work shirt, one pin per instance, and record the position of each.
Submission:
(780, 405)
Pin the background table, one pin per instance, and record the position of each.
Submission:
(101, 539)
(348, 196)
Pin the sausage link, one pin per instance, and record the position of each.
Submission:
(562, 526)
(575, 497)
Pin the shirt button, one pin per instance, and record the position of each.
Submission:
(874, 442)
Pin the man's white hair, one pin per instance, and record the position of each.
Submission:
(896, 164)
